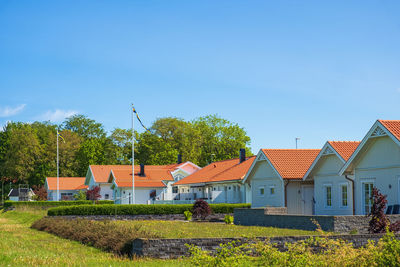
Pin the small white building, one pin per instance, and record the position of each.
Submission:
(21, 194)
(218, 182)
(152, 182)
(332, 192)
(67, 187)
(276, 180)
(376, 163)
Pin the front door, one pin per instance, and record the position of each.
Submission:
(367, 196)
(308, 199)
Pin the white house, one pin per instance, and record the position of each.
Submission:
(20, 194)
(218, 182)
(376, 163)
(333, 193)
(67, 187)
(276, 179)
(152, 182)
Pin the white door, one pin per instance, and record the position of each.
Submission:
(308, 199)
(367, 196)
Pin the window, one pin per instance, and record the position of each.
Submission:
(272, 190)
(328, 196)
(175, 189)
(261, 191)
(234, 188)
(199, 189)
(229, 188)
(106, 196)
(215, 189)
(343, 189)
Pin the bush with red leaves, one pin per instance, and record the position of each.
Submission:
(201, 209)
(40, 192)
(94, 193)
(379, 221)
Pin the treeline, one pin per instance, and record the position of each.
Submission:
(28, 150)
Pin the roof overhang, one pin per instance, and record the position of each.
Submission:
(326, 150)
(377, 130)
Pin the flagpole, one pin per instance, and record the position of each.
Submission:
(133, 155)
(58, 183)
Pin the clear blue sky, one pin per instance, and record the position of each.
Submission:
(318, 70)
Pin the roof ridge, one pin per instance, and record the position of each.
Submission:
(231, 167)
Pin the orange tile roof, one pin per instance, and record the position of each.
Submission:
(66, 183)
(392, 126)
(101, 172)
(291, 163)
(225, 170)
(155, 174)
(344, 148)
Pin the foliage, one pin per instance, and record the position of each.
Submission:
(188, 215)
(379, 222)
(100, 234)
(136, 209)
(201, 209)
(315, 251)
(40, 192)
(81, 195)
(44, 204)
(153, 150)
(228, 219)
(93, 193)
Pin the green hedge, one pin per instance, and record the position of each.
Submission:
(138, 209)
(10, 203)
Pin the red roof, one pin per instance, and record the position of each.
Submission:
(101, 173)
(393, 126)
(291, 163)
(66, 183)
(154, 175)
(344, 148)
(226, 170)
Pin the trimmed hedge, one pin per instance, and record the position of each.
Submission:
(137, 209)
(10, 203)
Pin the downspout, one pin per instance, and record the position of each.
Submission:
(352, 193)
(286, 184)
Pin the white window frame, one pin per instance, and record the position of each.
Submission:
(325, 186)
(274, 188)
(365, 181)
(341, 194)
(259, 191)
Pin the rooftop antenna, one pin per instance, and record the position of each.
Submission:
(297, 139)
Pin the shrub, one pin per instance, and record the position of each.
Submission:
(106, 235)
(201, 209)
(81, 195)
(379, 222)
(136, 209)
(188, 215)
(47, 204)
(228, 219)
(40, 192)
(93, 193)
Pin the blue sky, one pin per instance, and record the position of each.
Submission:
(318, 70)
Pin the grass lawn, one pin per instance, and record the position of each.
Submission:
(22, 246)
(179, 229)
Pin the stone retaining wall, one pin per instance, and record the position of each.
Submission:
(339, 224)
(163, 217)
(174, 248)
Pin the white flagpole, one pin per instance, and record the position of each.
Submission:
(133, 156)
(58, 183)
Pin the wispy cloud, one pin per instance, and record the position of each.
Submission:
(57, 115)
(9, 111)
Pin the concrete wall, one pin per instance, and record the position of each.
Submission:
(340, 224)
(326, 174)
(175, 248)
(264, 177)
(379, 164)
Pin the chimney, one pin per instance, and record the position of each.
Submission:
(179, 158)
(141, 173)
(242, 154)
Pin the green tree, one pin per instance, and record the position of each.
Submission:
(153, 150)
(121, 145)
(85, 127)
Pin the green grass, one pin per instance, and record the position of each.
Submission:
(22, 246)
(180, 229)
